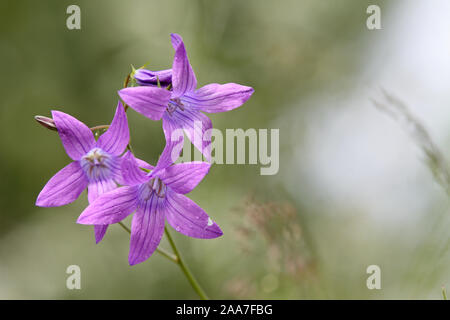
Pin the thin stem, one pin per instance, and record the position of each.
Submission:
(125, 227)
(444, 293)
(195, 285)
(161, 251)
(125, 84)
(104, 126)
(127, 80)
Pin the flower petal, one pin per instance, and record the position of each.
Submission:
(99, 231)
(149, 101)
(144, 164)
(176, 40)
(183, 77)
(215, 97)
(195, 124)
(76, 137)
(110, 207)
(186, 217)
(117, 137)
(131, 174)
(172, 149)
(118, 174)
(64, 187)
(95, 189)
(184, 177)
(147, 229)
(146, 77)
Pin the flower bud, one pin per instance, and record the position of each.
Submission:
(46, 122)
(146, 77)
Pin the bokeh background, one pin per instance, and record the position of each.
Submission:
(353, 188)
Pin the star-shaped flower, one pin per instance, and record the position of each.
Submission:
(182, 106)
(155, 198)
(96, 164)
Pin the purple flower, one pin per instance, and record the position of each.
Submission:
(181, 107)
(146, 77)
(96, 164)
(155, 197)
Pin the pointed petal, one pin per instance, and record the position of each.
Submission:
(95, 189)
(176, 40)
(173, 147)
(64, 187)
(147, 229)
(174, 144)
(111, 207)
(146, 77)
(196, 125)
(185, 216)
(215, 97)
(76, 137)
(166, 158)
(183, 77)
(131, 174)
(184, 177)
(100, 231)
(116, 138)
(149, 101)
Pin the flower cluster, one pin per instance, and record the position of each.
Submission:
(119, 184)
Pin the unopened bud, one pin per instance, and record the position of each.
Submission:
(146, 77)
(47, 122)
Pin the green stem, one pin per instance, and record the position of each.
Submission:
(161, 251)
(178, 260)
(195, 285)
(105, 126)
(125, 85)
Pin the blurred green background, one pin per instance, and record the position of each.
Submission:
(351, 191)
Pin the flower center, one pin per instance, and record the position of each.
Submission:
(154, 186)
(98, 164)
(174, 104)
